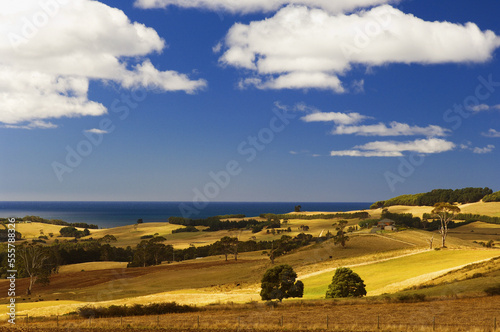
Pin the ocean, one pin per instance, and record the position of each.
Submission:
(114, 214)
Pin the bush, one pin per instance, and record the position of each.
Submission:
(145, 237)
(495, 290)
(410, 298)
(135, 310)
(346, 283)
(186, 229)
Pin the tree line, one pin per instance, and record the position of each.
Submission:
(53, 222)
(465, 195)
(339, 215)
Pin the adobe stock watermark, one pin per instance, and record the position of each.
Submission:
(32, 24)
(248, 149)
(454, 116)
(75, 155)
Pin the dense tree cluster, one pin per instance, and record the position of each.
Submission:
(214, 223)
(70, 231)
(187, 229)
(465, 195)
(340, 215)
(54, 222)
(494, 197)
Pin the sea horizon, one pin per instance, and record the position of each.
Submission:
(108, 214)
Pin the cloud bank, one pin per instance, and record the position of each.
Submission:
(261, 6)
(50, 51)
(302, 48)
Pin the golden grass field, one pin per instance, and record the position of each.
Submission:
(389, 262)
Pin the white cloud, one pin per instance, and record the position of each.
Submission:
(252, 6)
(488, 149)
(396, 149)
(49, 54)
(492, 133)
(484, 107)
(394, 129)
(96, 131)
(301, 48)
(38, 124)
(336, 117)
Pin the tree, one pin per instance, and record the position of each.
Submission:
(341, 237)
(298, 208)
(157, 249)
(227, 245)
(139, 221)
(34, 263)
(346, 283)
(108, 238)
(279, 283)
(445, 212)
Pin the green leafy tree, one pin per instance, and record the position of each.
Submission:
(445, 212)
(298, 208)
(346, 283)
(227, 245)
(279, 283)
(341, 236)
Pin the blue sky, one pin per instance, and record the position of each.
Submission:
(248, 100)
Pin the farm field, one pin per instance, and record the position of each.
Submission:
(389, 262)
(396, 274)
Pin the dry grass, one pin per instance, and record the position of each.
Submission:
(477, 231)
(400, 273)
(92, 266)
(354, 315)
(488, 209)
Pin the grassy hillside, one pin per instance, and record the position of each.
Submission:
(488, 209)
(388, 262)
(390, 276)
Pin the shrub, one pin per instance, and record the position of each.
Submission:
(495, 290)
(346, 283)
(410, 298)
(145, 237)
(135, 310)
(186, 229)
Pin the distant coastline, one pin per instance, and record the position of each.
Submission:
(114, 214)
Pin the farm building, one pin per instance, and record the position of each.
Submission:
(384, 225)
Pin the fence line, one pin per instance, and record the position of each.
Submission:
(252, 321)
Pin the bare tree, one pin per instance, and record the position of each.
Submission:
(445, 212)
(430, 241)
(33, 260)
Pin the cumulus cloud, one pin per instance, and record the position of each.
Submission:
(488, 149)
(301, 47)
(49, 54)
(253, 6)
(394, 129)
(396, 149)
(492, 133)
(336, 117)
